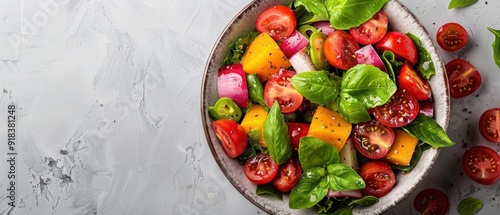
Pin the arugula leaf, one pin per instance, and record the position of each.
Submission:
(352, 110)
(364, 202)
(314, 152)
(346, 14)
(238, 47)
(469, 206)
(276, 135)
(268, 189)
(460, 3)
(496, 46)
(425, 65)
(429, 131)
(342, 177)
(316, 86)
(311, 188)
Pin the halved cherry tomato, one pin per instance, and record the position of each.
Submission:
(297, 130)
(452, 36)
(431, 201)
(489, 125)
(481, 164)
(288, 175)
(372, 30)
(260, 169)
(400, 110)
(400, 44)
(278, 21)
(339, 50)
(373, 139)
(413, 82)
(463, 78)
(278, 88)
(379, 178)
(233, 137)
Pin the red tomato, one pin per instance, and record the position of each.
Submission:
(413, 82)
(278, 88)
(379, 178)
(401, 44)
(260, 169)
(481, 164)
(432, 202)
(463, 78)
(400, 110)
(288, 175)
(278, 21)
(233, 137)
(297, 130)
(339, 50)
(489, 125)
(452, 36)
(372, 30)
(372, 139)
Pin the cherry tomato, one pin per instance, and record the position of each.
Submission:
(288, 175)
(489, 125)
(373, 139)
(400, 110)
(452, 36)
(481, 164)
(297, 130)
(278, 88)
(400, 44)
(278, 21)
(413, 82)
(379, 178)
(463, 78)
(339, 50)
(372, 30)
(260, 169)
(233, 137)
(432, 202)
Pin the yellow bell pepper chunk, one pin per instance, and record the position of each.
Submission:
(402, 149)
(253, 123)
(264, 57)
(330, 127)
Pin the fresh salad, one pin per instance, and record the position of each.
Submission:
(325, 103)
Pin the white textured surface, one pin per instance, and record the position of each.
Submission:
(108, 118)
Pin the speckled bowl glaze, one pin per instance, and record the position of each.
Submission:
(400, 19)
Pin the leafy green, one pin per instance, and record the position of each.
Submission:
(364, 202)
(238, 47)
(309, 11)
(342, 177)
(256, 90)
(315, 152)
(276, 135)
(346, 14)
(429, 131)
(460, 3)
(343, 211)
(311, 188)
(268, 189)
(388, 58)
(352, 110)
(469, 206)
(425, 65)
(496, 46)
(316, 86)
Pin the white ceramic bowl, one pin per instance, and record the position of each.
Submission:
(400, 19)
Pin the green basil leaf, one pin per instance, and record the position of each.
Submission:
(316, 86)
(429, 131)
(276, 135)
(343, 211)
(316, 7)
(387, 58)
(238, 47)
(314, 152)
(368, 84)
(417, 154)
(268, 189)
(364, 202)
(256, 90)
(425, 65)
(469, 206)
(346, 14)
(311, 188)
(460, 3)
(496, 46)
(352, 110)
(342, 177)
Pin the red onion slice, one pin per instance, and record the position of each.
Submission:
(301, 61)
(368, 55)
(324, 26)
(356, 194)
(293, 44)
(232, 83)
(426, 107)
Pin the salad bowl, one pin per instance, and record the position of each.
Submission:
(400, 19)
